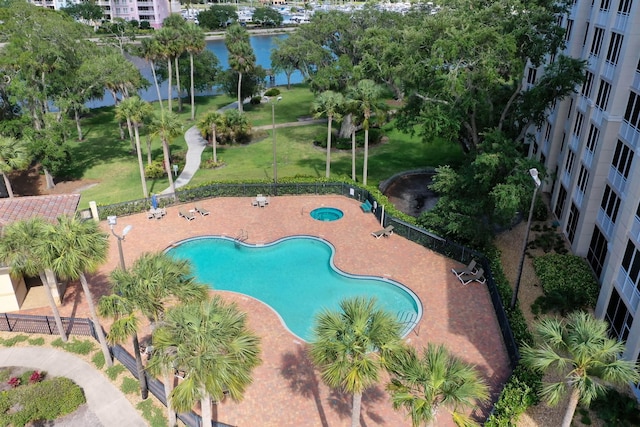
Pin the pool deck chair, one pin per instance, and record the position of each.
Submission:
(385, 232)
(470, 269)
(465, 279)
(366, 206)
(202, 211)
(189, 216)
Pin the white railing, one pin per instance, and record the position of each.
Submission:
(596, 116)
(636, 81)
(545, 147)
(617, 180)
(605, 223)
(635, 230)
(628, 289)
(630, 134)
(587, 158)
(574, 142)
(592, 61)
(608, 70)
(583, 103)
(566, 179)
(620, 23)
(602, 18)
(578, 196)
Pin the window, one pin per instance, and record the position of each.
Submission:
(610, 203)
(618, 316)
(632, 115)
(562, 197)
(572, 223)
(603, 95)
(624, 7)
(577, 126)
(534, 151)
(596, 43)
(567, 34)
(631, 263)
(564, 137)
(604, 5)
(597, 252)
(547, 132)
(531, 75)
(568, 165)
(592, 139)
(587, 85)
(622, 158)
(613, 53)
(570, 107)
(583, 179)
(586, 33)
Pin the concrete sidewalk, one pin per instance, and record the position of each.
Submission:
(107, 405)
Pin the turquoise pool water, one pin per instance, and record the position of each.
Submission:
(294, 276)
(326, 214)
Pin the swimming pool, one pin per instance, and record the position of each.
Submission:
(295, 276)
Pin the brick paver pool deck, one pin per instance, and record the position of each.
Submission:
(286, 391)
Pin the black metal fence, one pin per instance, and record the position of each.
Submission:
(156, 387)
(409, 231)
(46, 325)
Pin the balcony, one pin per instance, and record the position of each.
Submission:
(583, 103)
(636, 81)
(597, 116)
(608, 70)
(628, 290)
(630, 134)
(635, 230)
(620, 23)
(605, 223)
(578, 196)
(587, 158)
(617, 180)
(592, 62)
(545, 147)
(574, 142)
(602, 18)
(566, 179)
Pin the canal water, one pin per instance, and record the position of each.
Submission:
(262, 46)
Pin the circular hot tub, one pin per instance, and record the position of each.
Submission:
(326, 214)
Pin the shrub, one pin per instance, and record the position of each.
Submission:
(129, 385)
(155, 170)
(520, 392)
(14, 382)
(14, 340)
(98, 360)
(567, 283)
(75, 346)
(256, 100)
(616, 409)
(114, 371)
(154, 415)
(36, 377)
(274, 91)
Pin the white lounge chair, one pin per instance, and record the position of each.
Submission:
(189, 216)
(465, 279)
(202, 211)
(385, 232)
(469, 269)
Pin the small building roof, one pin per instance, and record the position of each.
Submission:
(48, 207)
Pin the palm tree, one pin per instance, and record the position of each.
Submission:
(242, 59)
(150, 51)
(208, 126)
(352, 346)
(423, 385)
(167, 45)
(366, 94)
(580, 350)
(154, 280)
(135, 111)
(167, 127)
(121, 114)
(194, 42)
(74, 247)
(13, 156)
(328, 104)
(21, 249)
(211, 343)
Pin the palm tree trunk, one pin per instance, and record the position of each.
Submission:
(54, 307)
(355, 413)
(96, 321)
(170, 78)
(193, 101)
(214, 143)
(155, 81)
(140, 163)
(366, 156)
(142, 379)
(149, 160)
(168, 387)
(167, 162)
(353, 154)
(7, 184)
(131, 139)
(239, 92)
(571, 408)
(328, 168)
(49, 179)
(179, 87)
(205, 407)
(78, 127)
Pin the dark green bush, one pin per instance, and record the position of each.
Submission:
(540, 212)
(567, 283)
(256, 100)
(274, 91)
(155, 170)
(616, 409)
(520, 392)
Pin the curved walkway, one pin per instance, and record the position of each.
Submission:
(107, 404)
(196, 145)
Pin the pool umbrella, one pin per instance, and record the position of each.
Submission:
(154, 201)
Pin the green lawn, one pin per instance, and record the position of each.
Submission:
(107, 161)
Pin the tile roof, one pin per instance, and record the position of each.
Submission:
(48, 207)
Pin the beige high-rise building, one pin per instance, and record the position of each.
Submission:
(589, 145)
